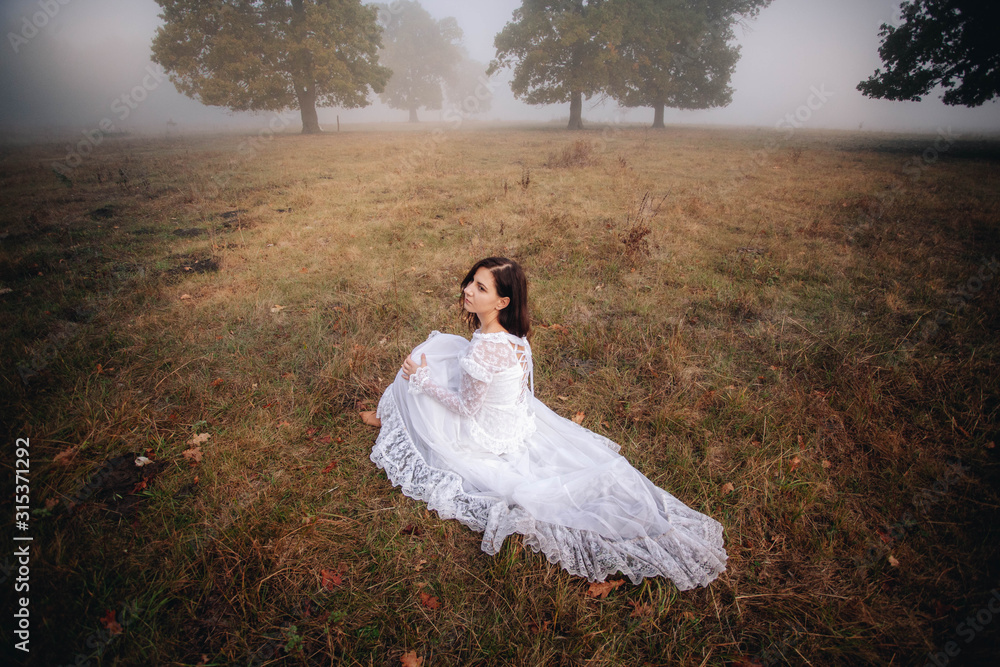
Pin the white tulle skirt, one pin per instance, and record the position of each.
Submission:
(569, 493)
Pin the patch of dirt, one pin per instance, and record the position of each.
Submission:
(193, 231)
(117, 485)
(103, 213)
(190, 264)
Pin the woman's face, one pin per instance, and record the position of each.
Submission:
(481, 295)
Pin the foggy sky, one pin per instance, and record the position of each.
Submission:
(72, 74)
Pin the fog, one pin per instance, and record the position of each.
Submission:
(89, 63)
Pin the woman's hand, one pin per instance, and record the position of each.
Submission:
(410, 367)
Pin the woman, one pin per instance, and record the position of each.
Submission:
(462, 431)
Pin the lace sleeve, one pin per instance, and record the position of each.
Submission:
(478, 366)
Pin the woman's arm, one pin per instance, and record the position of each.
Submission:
(466, 401)
(478, 367)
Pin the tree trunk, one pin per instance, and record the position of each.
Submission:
(658, 116)
(575, 111)
(413, 115)
(307, 103)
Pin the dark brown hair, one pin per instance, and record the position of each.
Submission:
(511, 283)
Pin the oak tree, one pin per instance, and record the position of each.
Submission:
(560, 51)
(677, 53)
(421, 52)
(947, 43)
(272, 55)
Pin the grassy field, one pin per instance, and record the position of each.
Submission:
(795, 333)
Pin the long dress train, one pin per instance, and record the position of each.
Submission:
(467, 436)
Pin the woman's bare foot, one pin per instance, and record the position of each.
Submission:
(369, 418)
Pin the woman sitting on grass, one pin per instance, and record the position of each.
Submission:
(463, 431)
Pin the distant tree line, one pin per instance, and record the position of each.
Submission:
(274, 55)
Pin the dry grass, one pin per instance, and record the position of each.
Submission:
(733, 311)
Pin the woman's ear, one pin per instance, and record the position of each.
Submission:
(503, 303)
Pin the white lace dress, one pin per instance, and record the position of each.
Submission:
(467, 436)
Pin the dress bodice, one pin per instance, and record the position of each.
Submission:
(495, 391)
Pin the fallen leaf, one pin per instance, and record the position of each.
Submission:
(198, 439)
(369, 418)
(65, 457)
(193, 455)
(410, 659)
(429, 600)
(601, 589)
(728, 487)
(941, 608)
(412, 530)
(746, 661)
(217, 381)
(640, 610)
(826, 464)
(283, 423)
(277, 308)
(420, 564)
(333, 464)
(109, 623)
(535, 628)
(795, 462)
(139, 486)
(331, 578)
(893, 561)
(990, 445)
(578, 417)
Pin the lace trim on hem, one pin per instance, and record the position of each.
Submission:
(691, 555)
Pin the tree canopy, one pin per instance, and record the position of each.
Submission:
(560, 51)
(657, 53)
(677, 53)
(272, 55)
(947, 43)
(467, 88)
(421, 52)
